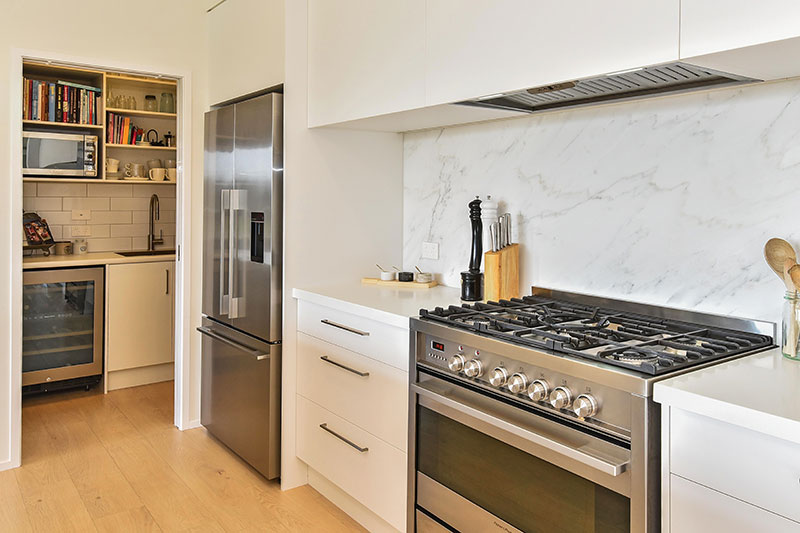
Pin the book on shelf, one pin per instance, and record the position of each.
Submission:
(60, 101)
(120, 130)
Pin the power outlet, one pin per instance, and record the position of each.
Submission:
(81, 214)
(430, 250)
(81, 231)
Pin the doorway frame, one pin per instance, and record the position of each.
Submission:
(183, 241)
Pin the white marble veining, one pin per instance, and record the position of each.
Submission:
(666, 201)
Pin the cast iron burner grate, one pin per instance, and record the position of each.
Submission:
(646, 344)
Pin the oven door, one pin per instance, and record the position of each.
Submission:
(57, 154)
(480, 464)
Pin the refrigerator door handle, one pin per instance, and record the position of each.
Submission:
(258, 354)
(238, 201)
(225, 203)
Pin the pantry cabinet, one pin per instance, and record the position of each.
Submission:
(140, 319)
(365, 58)
(483, 47)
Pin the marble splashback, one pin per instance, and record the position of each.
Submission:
(666, 201)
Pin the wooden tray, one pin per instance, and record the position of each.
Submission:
(399, 284)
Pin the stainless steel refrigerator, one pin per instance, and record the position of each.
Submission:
(242, 230)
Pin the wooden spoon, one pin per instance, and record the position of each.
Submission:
(788, 265)
(776, 252)
(794, 273)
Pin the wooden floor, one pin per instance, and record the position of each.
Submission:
(115, 462)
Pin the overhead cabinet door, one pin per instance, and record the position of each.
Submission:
(365, 58)
(482, 47)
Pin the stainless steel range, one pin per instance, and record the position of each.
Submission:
(535, 414)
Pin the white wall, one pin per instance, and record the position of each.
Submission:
(246, 48)
(99, 32)
(666, 201)
(343, 208)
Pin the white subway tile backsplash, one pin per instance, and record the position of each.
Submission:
(94, 204)
(111, 217)
(61, 189)
(41, 204)
(130, 204)
(129, 230)
(163, 191)
(119, 212)
(111, 190)
(57, 217)
(110, 245)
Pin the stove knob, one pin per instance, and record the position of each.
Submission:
(473, 368)
(456, 363)
(539, 390)
(518, 383)
(560, 398)
(498, 377)
(585, 406)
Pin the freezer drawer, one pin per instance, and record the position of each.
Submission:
(240, 402)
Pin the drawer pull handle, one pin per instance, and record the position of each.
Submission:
(343, 439)
(340, 365)
(346, 328)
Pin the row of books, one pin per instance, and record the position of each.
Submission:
(120, 130)
(61, 101)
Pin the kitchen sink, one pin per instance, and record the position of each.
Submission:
(137, 253)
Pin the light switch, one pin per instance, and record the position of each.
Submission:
(81, 214)
(430, 250)
(81, 231)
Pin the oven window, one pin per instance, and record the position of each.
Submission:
(528, 493)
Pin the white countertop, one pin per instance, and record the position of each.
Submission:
(759, 392)
(392, 306)
(88, 259)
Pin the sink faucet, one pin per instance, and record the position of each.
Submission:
(154, 215)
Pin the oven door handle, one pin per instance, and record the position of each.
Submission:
(436, 399)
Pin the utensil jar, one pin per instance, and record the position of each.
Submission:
(790, 331)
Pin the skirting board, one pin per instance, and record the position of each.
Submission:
(133, 377)
(348, 504)
(7, 465)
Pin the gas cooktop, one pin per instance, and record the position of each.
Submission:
(640, 342)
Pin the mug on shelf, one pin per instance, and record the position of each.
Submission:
(112, 165)
(135, 170)
(172, 174)
(158, 174)
(79, 247)
(170, 163)
(155, 163)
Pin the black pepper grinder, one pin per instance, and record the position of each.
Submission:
(472, 279)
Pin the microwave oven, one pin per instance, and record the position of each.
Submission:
(58, 154)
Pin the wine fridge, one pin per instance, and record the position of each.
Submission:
(62, 328)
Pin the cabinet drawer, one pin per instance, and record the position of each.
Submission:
(375, 339)
(376, 402)
(376, 477)
(697, 509)
(745, 464)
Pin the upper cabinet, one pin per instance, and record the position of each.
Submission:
(756, 39)
(365, 58)
(481, 47)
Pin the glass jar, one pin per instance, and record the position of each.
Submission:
(167, 104)
(790, 330)
(150, 103)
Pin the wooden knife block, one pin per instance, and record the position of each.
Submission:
(501, 274)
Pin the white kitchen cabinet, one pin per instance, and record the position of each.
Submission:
(698, 509)
(365, 58)
(756, 39)
(139, 323)
(709, 26)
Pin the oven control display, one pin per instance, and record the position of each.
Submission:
(438, 346)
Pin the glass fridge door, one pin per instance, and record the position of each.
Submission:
(62, 314)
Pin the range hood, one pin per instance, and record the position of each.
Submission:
(634, 83)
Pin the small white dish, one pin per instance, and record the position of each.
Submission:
(387, 276)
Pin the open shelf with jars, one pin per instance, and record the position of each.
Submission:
(147, 103)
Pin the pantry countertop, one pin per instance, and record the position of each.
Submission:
(88, 259)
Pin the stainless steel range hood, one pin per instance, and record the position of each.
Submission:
(634, 83)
